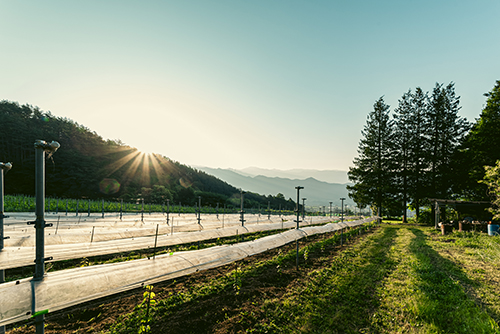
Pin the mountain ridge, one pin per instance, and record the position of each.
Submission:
(317, 192)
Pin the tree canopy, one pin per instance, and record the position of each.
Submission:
(410, 157)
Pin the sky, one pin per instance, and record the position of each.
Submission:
(232, 84)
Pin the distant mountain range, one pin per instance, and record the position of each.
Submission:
(272, 181)
(330, 176)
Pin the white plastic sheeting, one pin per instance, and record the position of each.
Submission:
(61, 289)
(142, 237)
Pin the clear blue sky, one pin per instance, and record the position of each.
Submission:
(273, 84)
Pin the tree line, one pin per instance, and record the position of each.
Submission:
(424, 149)
(87, 166)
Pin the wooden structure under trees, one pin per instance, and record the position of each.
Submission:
(477, 210)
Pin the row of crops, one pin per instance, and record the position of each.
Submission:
(22, 203)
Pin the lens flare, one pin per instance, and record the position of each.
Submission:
(109, 186)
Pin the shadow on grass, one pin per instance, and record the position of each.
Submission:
(441, 300)
(343, 297)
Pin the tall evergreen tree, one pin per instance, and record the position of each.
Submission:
(481, 147)
(403, 141)
(445, 130)
(410, 147)
(372, 173)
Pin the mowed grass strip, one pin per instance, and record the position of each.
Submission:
(430, 292)
(340, 298)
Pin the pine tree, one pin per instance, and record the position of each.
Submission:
(373, 172)
(410, 147)
(445, 130)
(481, 147)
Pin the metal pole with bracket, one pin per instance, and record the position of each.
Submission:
(41, 147)
(3, 167)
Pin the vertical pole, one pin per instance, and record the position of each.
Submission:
(67, 200)
(436, 214)
(57, 227)
(156, 239)
(142, 210)
(242, 213)
(342, 219)
(223, 215)
(331, 209)
(298, 221)
(3, 167)
(39, 210)
(57, 206)
(180, 208)
(168, 211)
(88, 208)
(199, 210)
(103, 208)
(268, 210)
(40, 148)
(77, 202)
(121, 208)
(303, 208)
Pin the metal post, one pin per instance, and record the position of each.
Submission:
(298, 221)
(199, 210)
(142, 210)
(3, 167)
(168, 211)
(342, 219)
(303, 208)
(103, 208)
(77, 202)
(121, 208)
(156, 238)
(268, 210)
(217, 210)
(88, 208)
(223, 215)
(242, 213)
(40, 148)
(331, 209)
(436, 214)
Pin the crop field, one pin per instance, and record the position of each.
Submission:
(394, 278)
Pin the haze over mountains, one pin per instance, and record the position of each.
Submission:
(320, 186)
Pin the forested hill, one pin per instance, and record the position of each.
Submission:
(87, 166)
